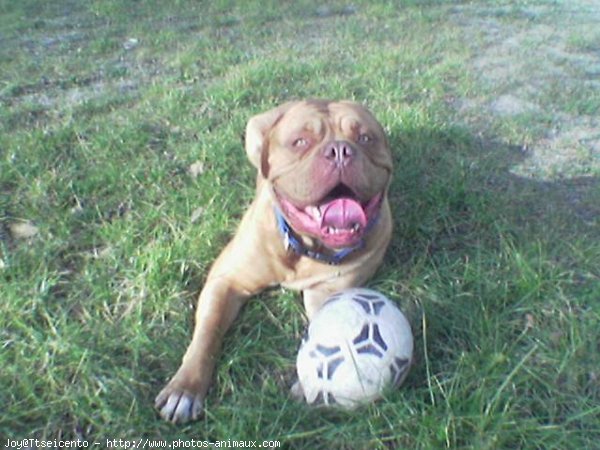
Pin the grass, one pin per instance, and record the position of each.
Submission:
(105, 236)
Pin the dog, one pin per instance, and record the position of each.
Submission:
(320, 222)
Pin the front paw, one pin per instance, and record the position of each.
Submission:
(178, 405)
(296, 391)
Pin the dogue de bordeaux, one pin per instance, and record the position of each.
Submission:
(320, 222)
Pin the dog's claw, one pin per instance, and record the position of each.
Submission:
(178, 406)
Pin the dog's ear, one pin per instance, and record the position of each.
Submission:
(257, 130)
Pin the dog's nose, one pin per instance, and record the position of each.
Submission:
(340, 152)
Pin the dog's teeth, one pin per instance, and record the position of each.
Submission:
(333, 230)
(315, 212)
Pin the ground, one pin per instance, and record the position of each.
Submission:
(122, 175)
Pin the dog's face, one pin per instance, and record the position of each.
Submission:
(329, 166)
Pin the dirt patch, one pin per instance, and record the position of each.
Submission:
(65, 61)
(539, 67)
(510, 105)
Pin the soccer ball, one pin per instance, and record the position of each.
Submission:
(356, 345)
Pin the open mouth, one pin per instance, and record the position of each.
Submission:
(338, 220)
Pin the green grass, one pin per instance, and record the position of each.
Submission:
(494, 258)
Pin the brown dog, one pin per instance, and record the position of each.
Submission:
(320, 222)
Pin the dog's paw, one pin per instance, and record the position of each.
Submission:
(296, 391)
(178, 405)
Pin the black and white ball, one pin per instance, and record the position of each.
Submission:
(356, 345)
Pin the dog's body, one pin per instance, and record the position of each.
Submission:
(320, 222)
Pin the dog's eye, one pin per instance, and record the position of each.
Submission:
(300, 143)
(364, 138)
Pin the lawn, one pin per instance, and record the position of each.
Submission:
(122, 175)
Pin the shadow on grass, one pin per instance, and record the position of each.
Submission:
(452, 190)
(482, 258)
(497, 273)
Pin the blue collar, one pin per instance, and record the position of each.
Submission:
(291, 242)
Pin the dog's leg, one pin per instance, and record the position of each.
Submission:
(313, 300)
(183, 397)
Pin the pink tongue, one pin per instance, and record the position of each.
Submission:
(343, 213)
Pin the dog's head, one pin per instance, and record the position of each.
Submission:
(328, 164)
